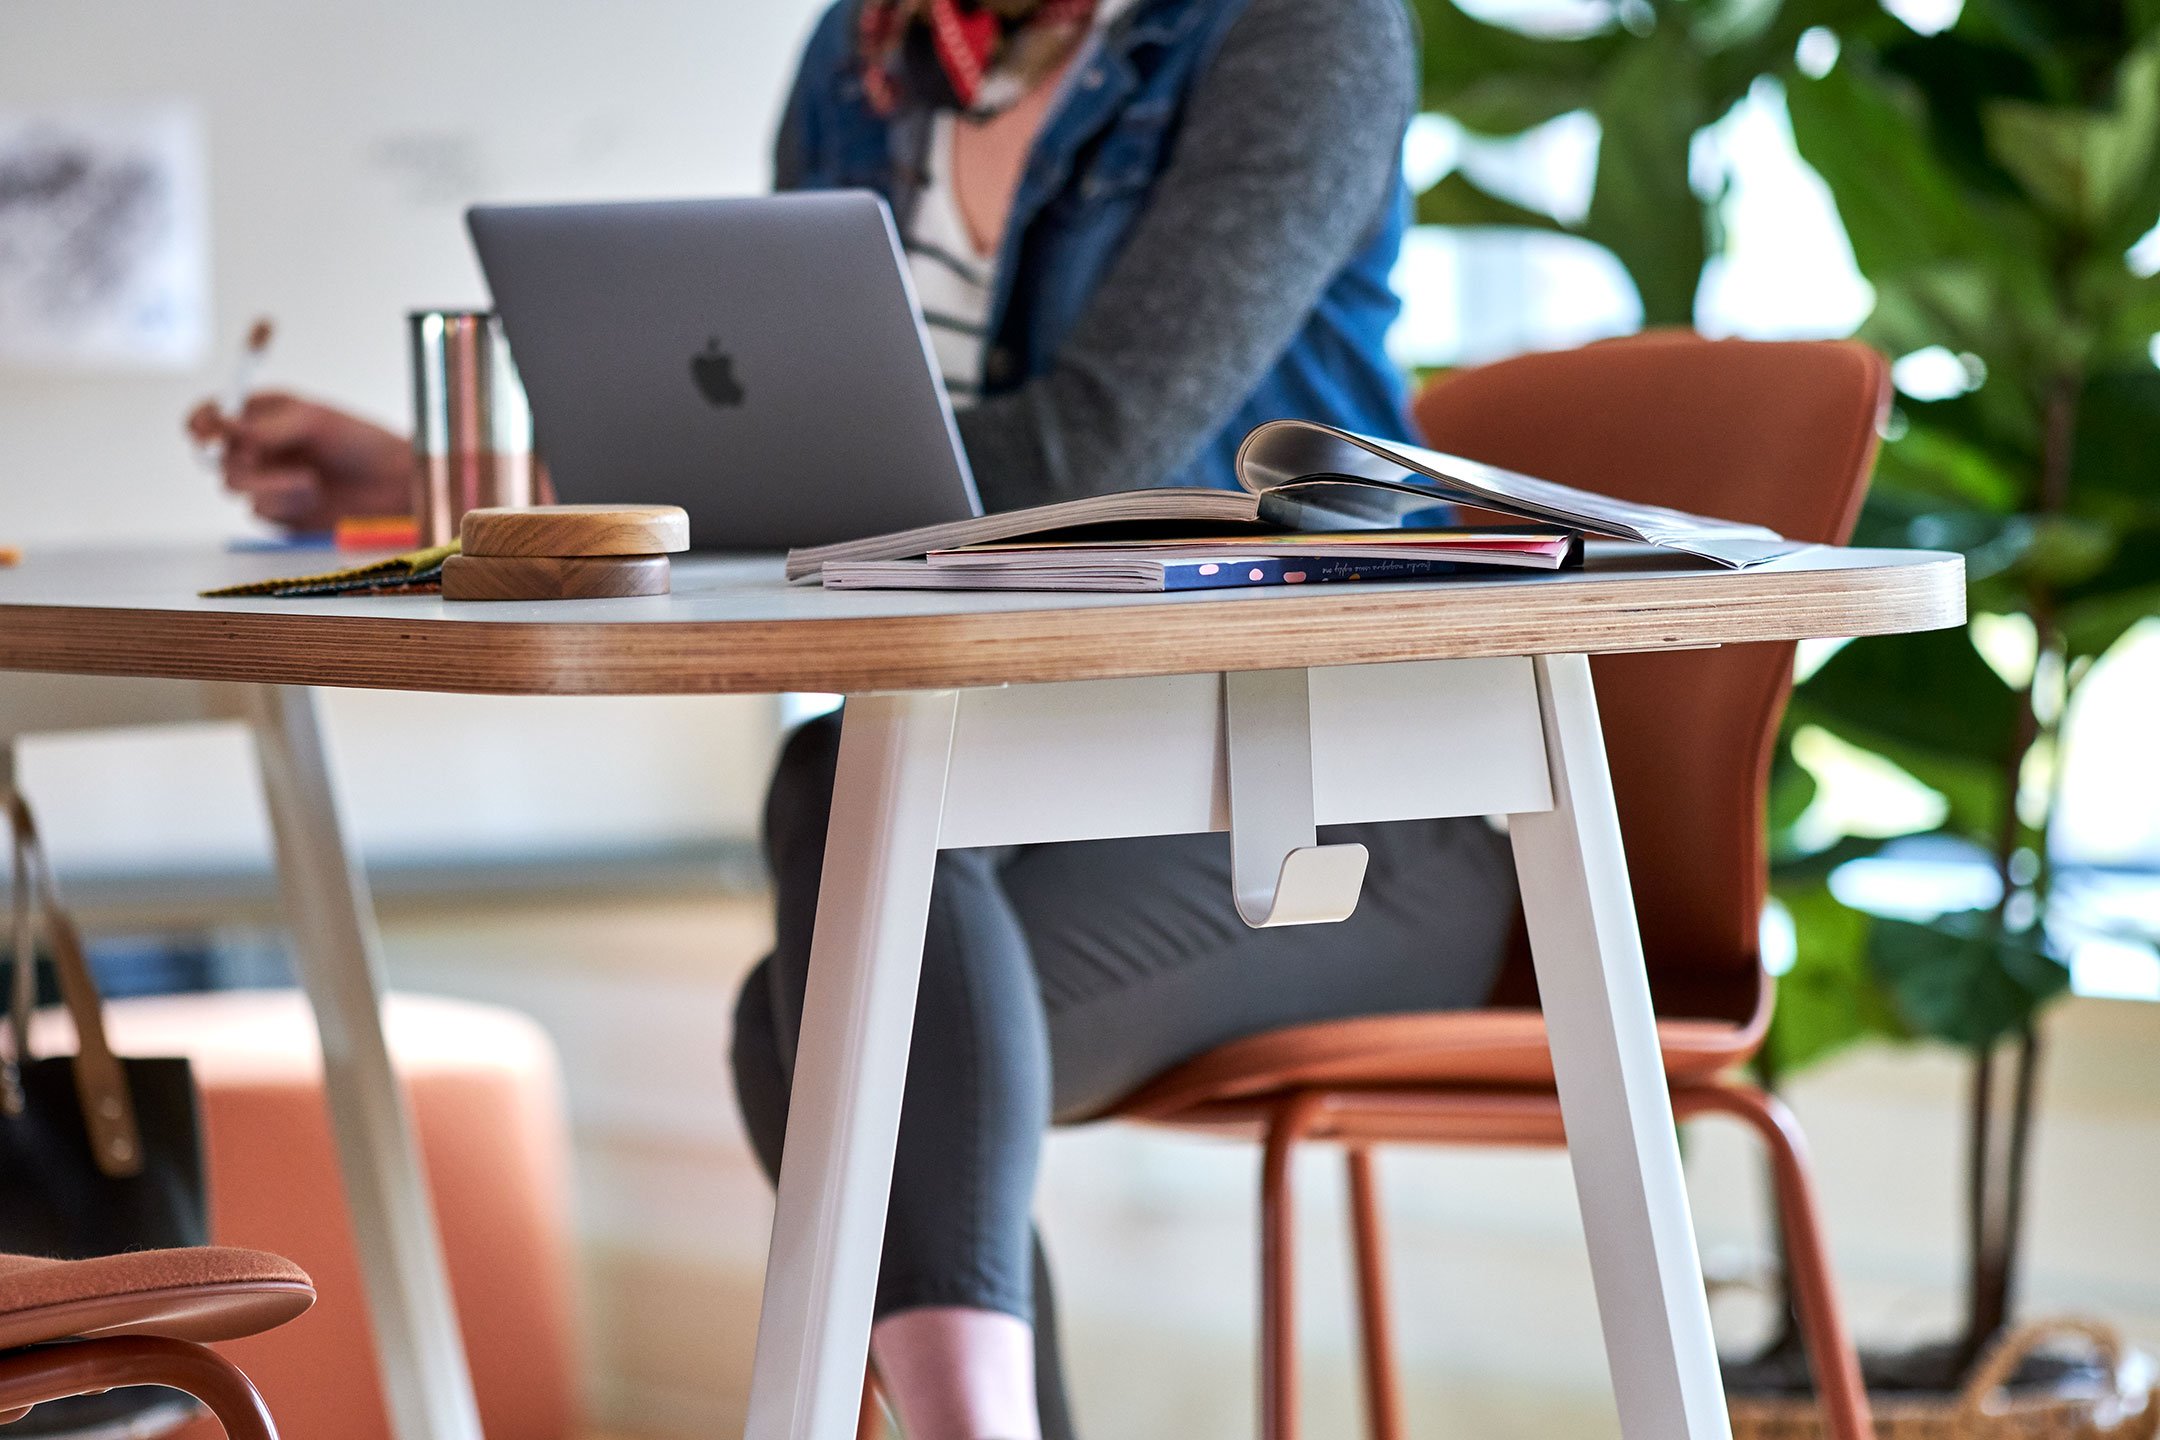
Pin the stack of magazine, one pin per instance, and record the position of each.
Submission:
(1315, 505)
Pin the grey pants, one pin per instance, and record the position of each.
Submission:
(1058, 978)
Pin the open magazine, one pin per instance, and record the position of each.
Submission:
(1302, 476)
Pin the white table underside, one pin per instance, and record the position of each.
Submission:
(924, 771)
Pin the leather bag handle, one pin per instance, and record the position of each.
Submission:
(108, 1109)
(22, 933)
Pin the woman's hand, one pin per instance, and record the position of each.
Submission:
(305, 466)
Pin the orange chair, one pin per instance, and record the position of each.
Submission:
(73, 1327)
(485, 1094)
(1780, 434)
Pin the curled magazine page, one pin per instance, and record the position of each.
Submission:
(1299, 466)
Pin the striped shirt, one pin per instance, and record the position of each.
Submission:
(953, 278)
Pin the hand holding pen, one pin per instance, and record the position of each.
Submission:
(206, 423)
(301, 465)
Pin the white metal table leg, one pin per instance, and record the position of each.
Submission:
(1618, 1112)
(850, 1066)
(417, 1344)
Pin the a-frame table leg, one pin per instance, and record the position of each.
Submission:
(1621, 1140)
(426, 1385)
(851, 1066)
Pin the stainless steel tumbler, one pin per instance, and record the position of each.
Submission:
(472, 427)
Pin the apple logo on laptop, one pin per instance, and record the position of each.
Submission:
(714, 371)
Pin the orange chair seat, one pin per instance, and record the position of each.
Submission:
(209, 1293)
(1479, 1048)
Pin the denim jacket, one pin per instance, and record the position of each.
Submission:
(1083, 189)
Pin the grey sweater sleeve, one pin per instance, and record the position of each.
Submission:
(1283, 166)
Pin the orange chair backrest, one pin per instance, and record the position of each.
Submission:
(1779, 433)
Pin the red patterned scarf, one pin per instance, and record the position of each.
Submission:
(974, 56)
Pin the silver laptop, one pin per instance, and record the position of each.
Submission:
(759, 362)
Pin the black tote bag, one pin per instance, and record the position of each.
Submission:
(98, 1155)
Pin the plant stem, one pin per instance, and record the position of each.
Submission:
(2013, 1211)
(2059, 447)
(1979, 1205)
(1998, 1177)
(1995, 1169)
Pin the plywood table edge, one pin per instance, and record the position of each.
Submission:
(972, 648)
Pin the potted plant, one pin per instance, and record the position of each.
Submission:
(1993, 179)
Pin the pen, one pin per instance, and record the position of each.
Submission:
(242, 380)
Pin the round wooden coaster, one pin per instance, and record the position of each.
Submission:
(576, 530)
(553, 577)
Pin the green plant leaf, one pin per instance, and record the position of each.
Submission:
(1864, 131)
(2047, 151)
(1955, 74)
(1456, 200)
(1999, 418)
(1792, 788)
(1990, 179)
(2067, 550)
(1508, 102)
(1975, 790)
(2118, 440)
(1737, 55)
(1799, 869)
(2090, 626)
(1961, 978)
(1644, 208)
(2115, 482)
(1937, 462)
(1950, 305)
(1831, 997)
(1929, 692)
(1460, 52)
(1994, 546)
(1996, 298)
(2081, 166)
(1719, 25)
(2130, 319)
(2066, 41)
(1930, 706)
(2138, 109)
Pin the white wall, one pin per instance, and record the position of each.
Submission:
(344, 142)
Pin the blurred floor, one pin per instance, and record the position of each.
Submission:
(1153, 1235)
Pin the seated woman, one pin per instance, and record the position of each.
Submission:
(1138, 228)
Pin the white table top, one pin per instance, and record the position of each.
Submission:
(733, 626)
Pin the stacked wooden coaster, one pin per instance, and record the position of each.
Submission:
(565, 552)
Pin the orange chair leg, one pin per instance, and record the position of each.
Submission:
(51, 1372)
(1841, 1392)
(1376, 1335)
(1278, 1267)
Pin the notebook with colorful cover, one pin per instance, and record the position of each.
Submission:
(1130, 572)
(1299, 475)
(1209, 562)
